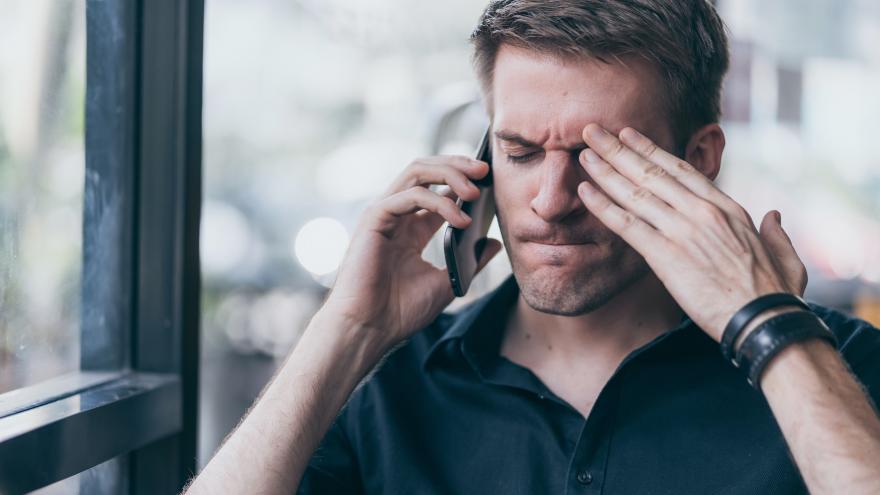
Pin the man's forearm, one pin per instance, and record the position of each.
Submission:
(828, 421)
(269, 450)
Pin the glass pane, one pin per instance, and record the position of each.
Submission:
(42, 167)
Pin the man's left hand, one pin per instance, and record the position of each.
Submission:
(699, 242)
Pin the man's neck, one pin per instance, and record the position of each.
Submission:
(599, 339)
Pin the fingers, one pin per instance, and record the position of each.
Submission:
(456, 171)
(639, 169)
(638, 234)
(637, 199)
(388, 212)
(427, 222)
(681, 170)
(454, 174)
(670, 178)
(446, 191)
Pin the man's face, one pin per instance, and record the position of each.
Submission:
(565, 260)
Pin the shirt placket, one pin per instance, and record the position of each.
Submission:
(586, 471)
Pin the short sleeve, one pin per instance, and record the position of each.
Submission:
(859, 343)
(333, 467)
(866, 364)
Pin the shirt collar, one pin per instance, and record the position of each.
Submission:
(482, 312)
(481, 322)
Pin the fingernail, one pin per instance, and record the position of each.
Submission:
(631, 134)
(584, 188)
(590, 155)
(597, 132)
(465, 216)
(778, 217)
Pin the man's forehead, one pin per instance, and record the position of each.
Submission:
(541, 97)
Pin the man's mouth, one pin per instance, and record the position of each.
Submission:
(558, 236)
(560, 240)
(563, 243)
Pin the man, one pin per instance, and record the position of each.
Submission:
(595, 368)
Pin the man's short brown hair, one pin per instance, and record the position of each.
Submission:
(684, 39)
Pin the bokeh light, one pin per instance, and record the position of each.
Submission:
(320, 245)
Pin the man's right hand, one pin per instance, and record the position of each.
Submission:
(383, 288)
(383, 284)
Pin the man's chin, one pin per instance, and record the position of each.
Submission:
(565, 292)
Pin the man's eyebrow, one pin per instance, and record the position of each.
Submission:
(512, 136)
(506, 135)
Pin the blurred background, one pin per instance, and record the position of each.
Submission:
(42, 171)
(310, 109)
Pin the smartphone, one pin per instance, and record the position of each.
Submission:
(463, 247)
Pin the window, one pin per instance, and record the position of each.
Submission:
(42, 166)
(122, 419)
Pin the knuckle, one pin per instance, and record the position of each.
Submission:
(627, 219)
(449, 203)
(458, 161)
(415, 167)
(653, 172)
(711, 213)
(471, 163)
(457, 175)
(413, 171)
(413, 195)
(741, 214)
(682, 166)
(423, 193)
(649, 148)
(616, 149)
(693, 232)
(639, 193)
(415, 163)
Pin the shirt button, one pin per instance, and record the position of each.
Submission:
(584, 477)
(540, 396)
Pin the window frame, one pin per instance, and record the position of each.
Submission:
(135, 396)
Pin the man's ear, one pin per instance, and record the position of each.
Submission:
(704, 150)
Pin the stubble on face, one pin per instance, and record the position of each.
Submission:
(549, 101)
(574, 288)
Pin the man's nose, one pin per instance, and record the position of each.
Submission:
(557, 197)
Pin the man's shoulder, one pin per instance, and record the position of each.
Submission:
(401, 373)
(410, 355)
(858, 340)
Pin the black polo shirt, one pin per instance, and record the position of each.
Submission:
(444, 413)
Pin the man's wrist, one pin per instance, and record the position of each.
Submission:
(758, 320)
(360, 345)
